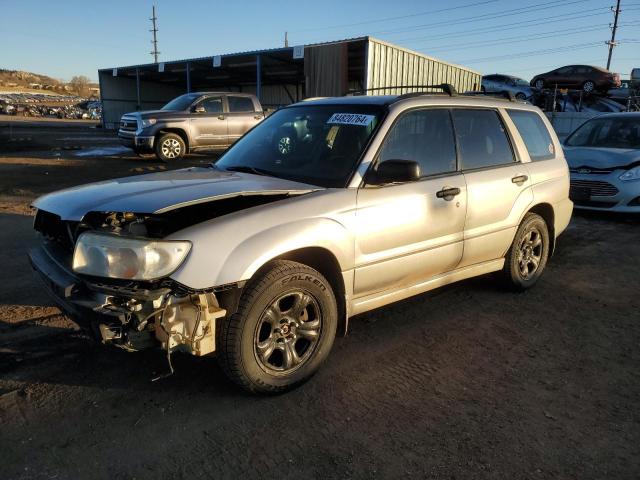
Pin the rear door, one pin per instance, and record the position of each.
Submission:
(242, 115)
(498, 184)
(209, 127)
(407, 233)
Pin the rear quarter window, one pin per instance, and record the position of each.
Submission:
(534, 133)
(240, 104)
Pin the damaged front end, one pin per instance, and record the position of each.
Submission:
(131, 314)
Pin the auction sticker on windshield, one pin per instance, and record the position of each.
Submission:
(351, 119)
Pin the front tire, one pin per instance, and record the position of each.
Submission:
(528, 255)
(282, 331)
(170, 147)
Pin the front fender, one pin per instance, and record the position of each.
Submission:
(231, 249)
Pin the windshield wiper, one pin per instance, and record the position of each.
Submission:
(248, 169)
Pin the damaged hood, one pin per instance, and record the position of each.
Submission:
(163, 191)
(601, 158)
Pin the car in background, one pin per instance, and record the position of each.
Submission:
(635, 79)
(585, 77)
(191, 122)
(621, 93)
(604, 163)
(501, 83)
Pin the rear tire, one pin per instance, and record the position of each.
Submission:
(170, 147)
(528, 255)
(282, 331)
(588, 87)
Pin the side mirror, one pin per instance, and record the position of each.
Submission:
(395, 171)
(198, 109)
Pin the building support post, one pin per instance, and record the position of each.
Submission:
(188, 77)
(259, 77)
(138, 102)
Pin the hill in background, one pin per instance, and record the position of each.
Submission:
(20, 81)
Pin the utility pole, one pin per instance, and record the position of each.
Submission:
(612, 43)
(286, 39)
(155, 51)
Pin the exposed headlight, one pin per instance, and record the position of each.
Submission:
(111, 256)
(147, 122)
(631, 174)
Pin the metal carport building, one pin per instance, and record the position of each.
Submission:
(279, 76)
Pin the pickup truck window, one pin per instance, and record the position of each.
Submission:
(240, 104)
(181, 103)
(212, 104)
(315, 144)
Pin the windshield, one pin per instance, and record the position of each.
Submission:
(316, 144)
(613, 132)
(182, 102)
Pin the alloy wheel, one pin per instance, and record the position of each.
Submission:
(288, 332)
(530, 253)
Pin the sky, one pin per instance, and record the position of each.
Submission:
(77, 37)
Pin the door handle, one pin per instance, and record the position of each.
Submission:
(221, 117)
(519, 179)
(448, 193)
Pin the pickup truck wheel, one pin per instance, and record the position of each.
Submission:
(282, 331)
(528, 254)
(170, 146)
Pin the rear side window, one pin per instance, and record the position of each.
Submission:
(240, 104)
(534, 133)
(426, 137)
(482, 140)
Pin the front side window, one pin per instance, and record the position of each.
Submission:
(315, 144)
(482, 139)
(534, 133)
(240, 104)
(424, 136)
(212, 104)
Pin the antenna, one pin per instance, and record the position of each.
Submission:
(155, 51)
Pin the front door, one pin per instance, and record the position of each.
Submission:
(407, 233)
(209, 124)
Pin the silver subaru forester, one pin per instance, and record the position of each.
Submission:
(327, 209)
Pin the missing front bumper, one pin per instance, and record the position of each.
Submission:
(133, 319)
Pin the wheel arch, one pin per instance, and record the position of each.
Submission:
(545, 210)
(178, 131)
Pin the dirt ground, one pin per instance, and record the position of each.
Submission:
(469, 381)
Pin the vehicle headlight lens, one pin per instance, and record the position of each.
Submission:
(110, 256)
(631, 174)
(147, 122)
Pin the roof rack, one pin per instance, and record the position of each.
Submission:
(445, 87)
(506, 94)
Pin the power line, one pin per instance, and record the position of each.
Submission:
(387, 19)
(577, 46)
(486, 16)
(517, 39)
(509, 26)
